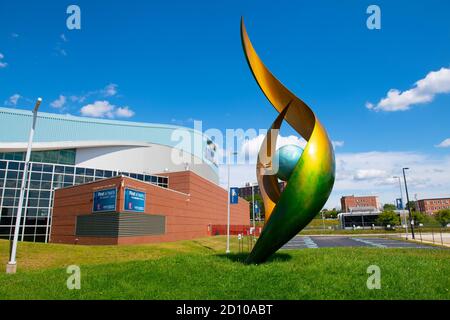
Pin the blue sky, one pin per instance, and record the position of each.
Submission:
(175, 61)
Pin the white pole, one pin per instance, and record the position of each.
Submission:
(253, 207)
(323, 222)
(404, 216)
(228, 205)
(11, 267)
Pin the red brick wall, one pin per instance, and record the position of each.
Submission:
(191, 205)
(431, 206)
(360, 202)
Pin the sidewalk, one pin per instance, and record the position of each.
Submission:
(442, 239)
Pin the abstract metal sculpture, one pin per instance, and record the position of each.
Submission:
(311, 180)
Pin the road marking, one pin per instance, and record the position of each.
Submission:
(374, 244)
(310, 243)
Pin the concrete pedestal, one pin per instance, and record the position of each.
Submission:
(11, 268)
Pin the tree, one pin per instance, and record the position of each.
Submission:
(388, 217)
(389, 207)
(259, 202)
(419, 217)
(443, 217)
(412, 205)
(328, 214)
(331, 214)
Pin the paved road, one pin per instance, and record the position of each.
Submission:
(302, 242)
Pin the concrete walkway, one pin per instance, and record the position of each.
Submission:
(437, 238)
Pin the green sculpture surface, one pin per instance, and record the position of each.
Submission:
(309, 175)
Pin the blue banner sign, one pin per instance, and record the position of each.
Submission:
(105, 200)
(256, 207)
(234, 195)
(134, 200)
(399, 204)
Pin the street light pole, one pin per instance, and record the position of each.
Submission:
(323, 221)
(401, 199)
(411, 221)
(11, 267)
(253, 206)
(228, 203)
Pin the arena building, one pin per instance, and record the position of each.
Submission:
(70, 150)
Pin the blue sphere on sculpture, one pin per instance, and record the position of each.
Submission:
(288, 157)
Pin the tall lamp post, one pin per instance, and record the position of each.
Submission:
(229, 199)
(253, 205)
(401, 199)
(411, 220)
(11, 267)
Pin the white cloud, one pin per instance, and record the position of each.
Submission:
(13, 100)
(80, 98)
(124, 112)
(59, 103)
(110, 90)
(444, 144)
(98, 109)
(424, 91)
(364, 174)
(251, 147)
(63, 37)
(2, 63)
(104, 109)
(369, 105)
(371, 173)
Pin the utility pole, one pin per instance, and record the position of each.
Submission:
(253, 205)
(401, 197)
(11, 267)
(229, 200)
(411, 220)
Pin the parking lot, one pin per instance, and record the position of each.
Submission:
(313, 242)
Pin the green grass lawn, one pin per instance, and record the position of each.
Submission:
(319, 223)
(199, 270)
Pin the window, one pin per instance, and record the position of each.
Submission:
(37, 167)
(66, 156)
(46, 177)
(69, 170)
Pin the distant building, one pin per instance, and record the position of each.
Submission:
(365, 219)
(70, 150)
(365, 203)
(430, 206)
(246, 191)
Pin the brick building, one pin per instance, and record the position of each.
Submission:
(190, 207)
(430, 206)
(349, 203)
(246, 191)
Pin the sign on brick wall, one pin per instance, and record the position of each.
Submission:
(105, 200)
(134, 200)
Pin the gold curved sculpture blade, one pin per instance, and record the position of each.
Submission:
(311, 182)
